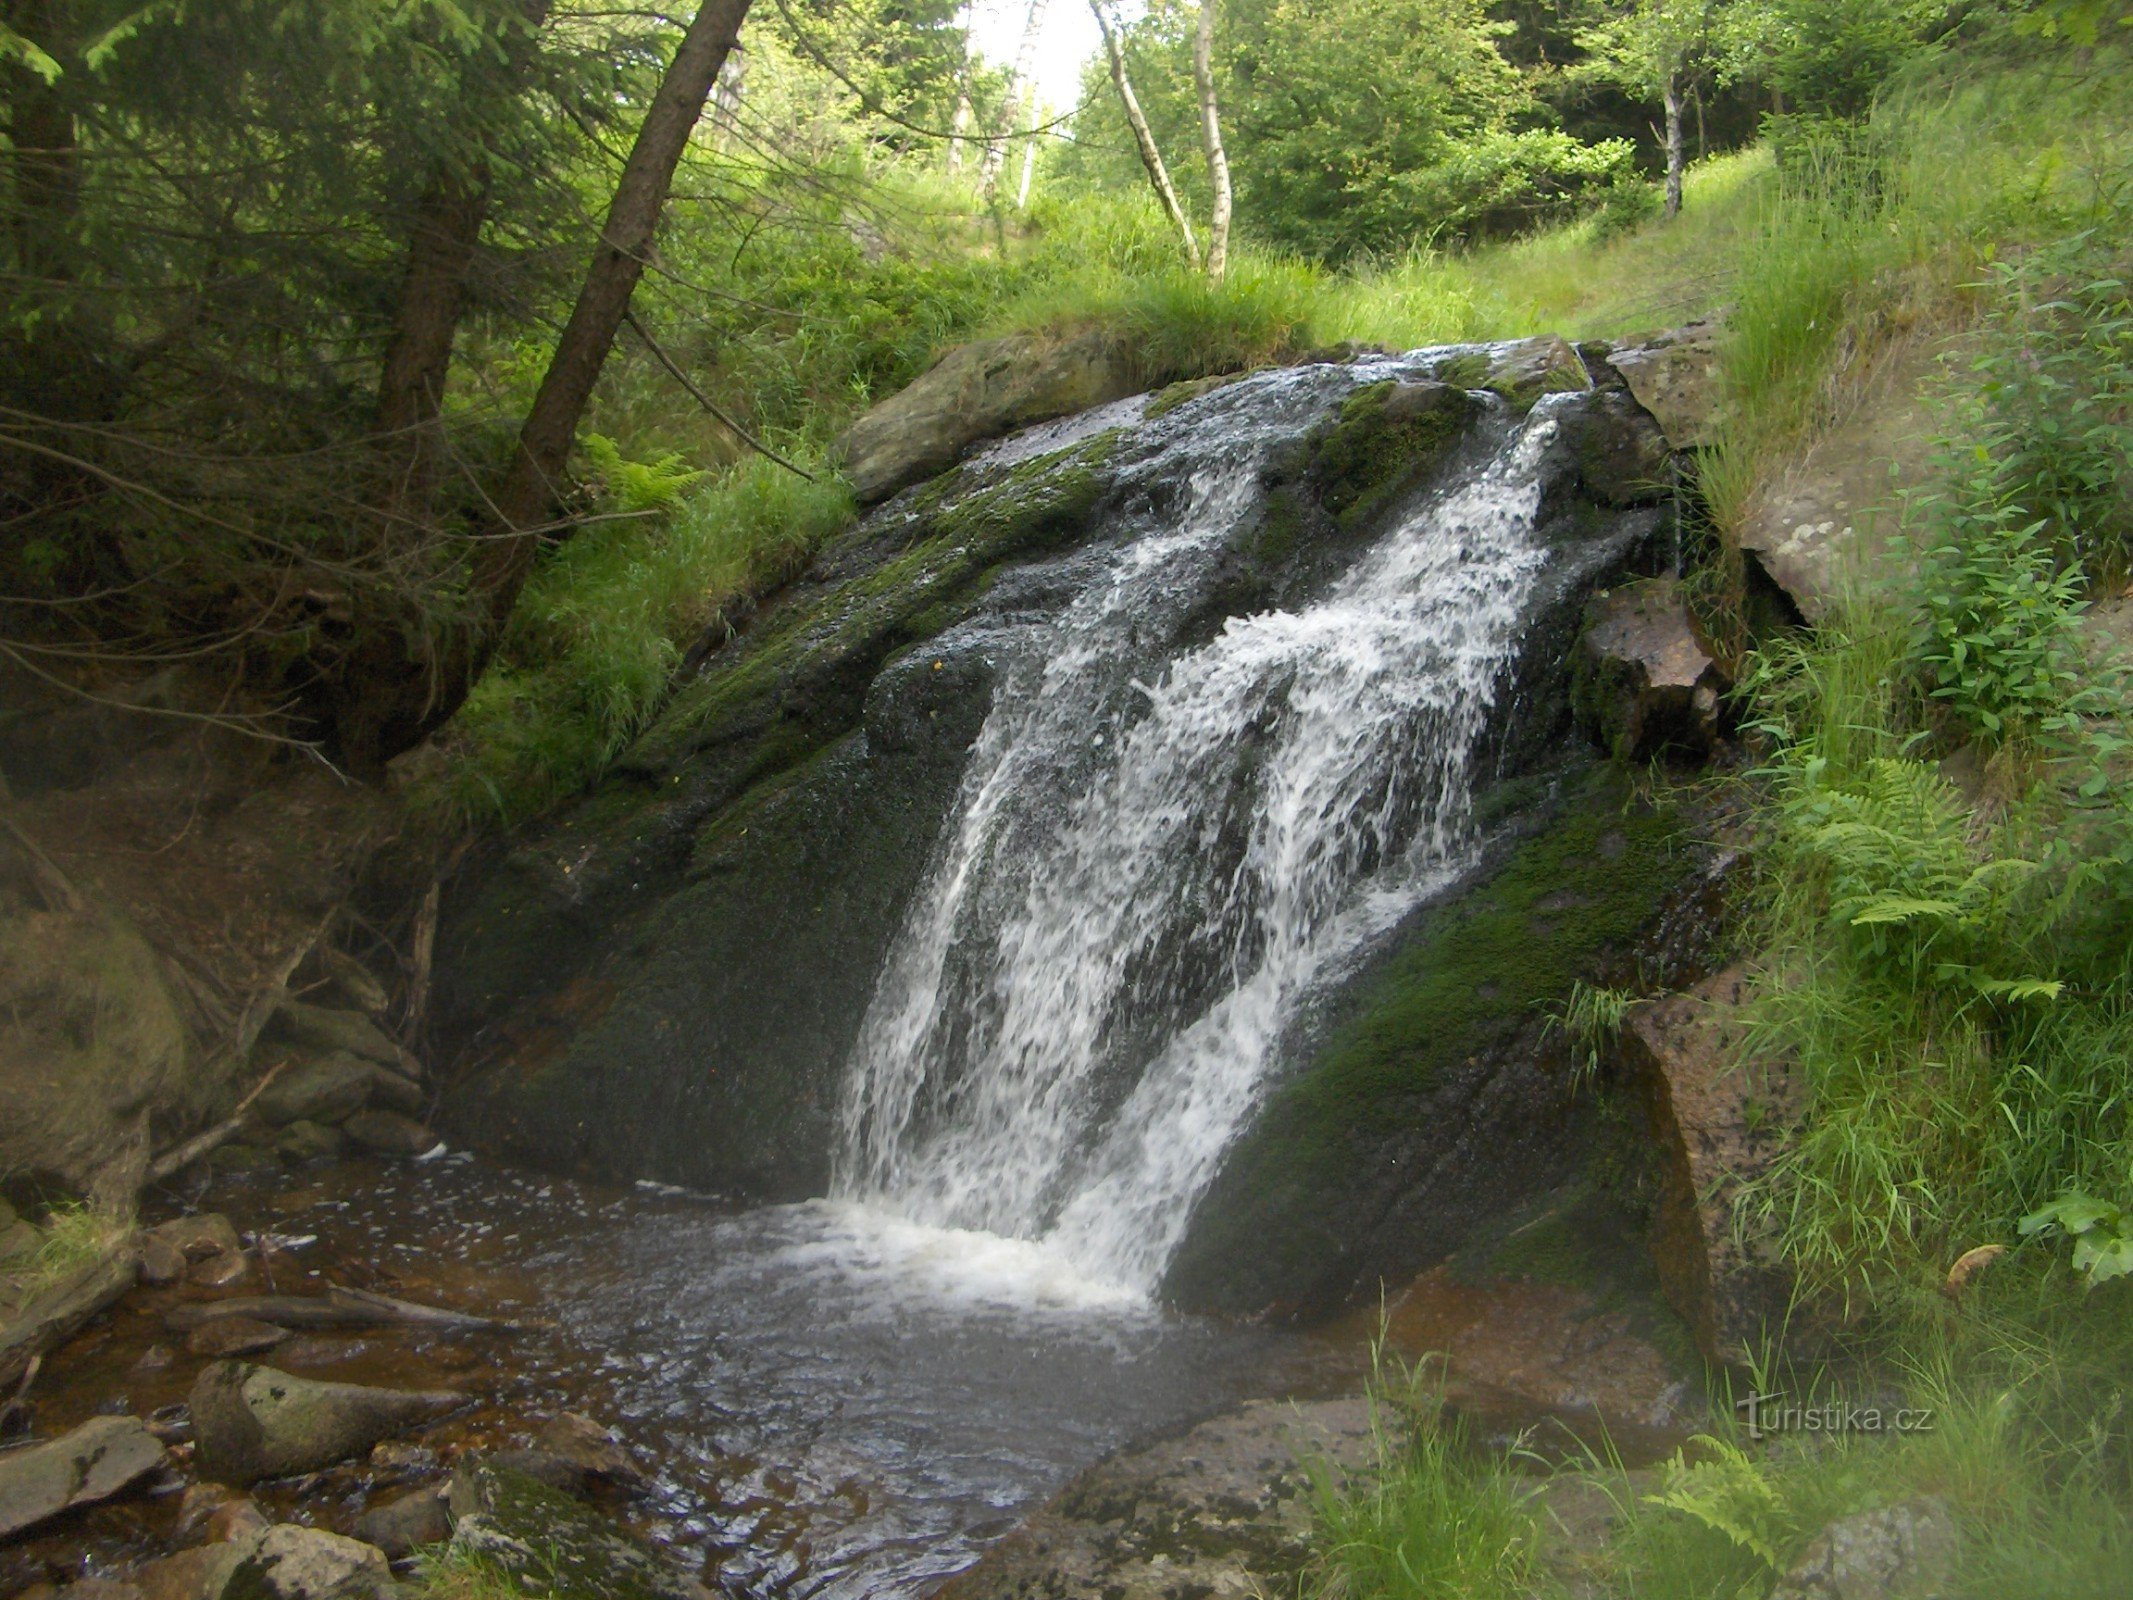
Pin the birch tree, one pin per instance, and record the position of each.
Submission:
(1203, 79)
(1143, 136)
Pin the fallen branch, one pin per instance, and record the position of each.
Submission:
(336, 1308)
(61, 1311)
(178, 1158)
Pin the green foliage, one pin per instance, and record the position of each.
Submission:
(2102, 1233)
(1435, 1515)
(602, 625)
(1833, 56)
(1591, 1019)
(1725, 1490)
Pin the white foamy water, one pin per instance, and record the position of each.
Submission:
(1163, 847)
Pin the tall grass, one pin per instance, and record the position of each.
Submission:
(604, 622)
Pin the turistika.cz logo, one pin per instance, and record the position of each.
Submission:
(1765, 1414)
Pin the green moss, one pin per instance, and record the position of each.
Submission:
(1469, 371)
(1482, 967)
(801, 675)
(1180, 393)
(1386, 437)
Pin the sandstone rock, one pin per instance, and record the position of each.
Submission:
(1717, 1120)
(162, 1263)
(239, 1519)
(524, 1526)
(199, 1502)
(331, 1032)
(296, 1563)
(255, 1422)
(1675, 377)
(92, 1463)
(208, 1234)
(305, 1140)
(197, 1574)
(583, 1442)
(1645, 682)
(322, 1089)
(234, 1336)
(1221, 1511)
(389, 1133)
(401, 1526)
(1905, 1550)
(979, 391)
(96, 1589)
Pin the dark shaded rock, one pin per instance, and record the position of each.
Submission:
(310, 1141)
(389, 1133)
(162, 1263)
(322, 1089)
(402, 1526)
(1623, 459)
(527, 1527)
(254, 1422)
(234, 1336)
(197, 1504)
(1717, 1120)
(325, 1031)
(241, 1155)
(209, 1233)
(62, 1309)
(980, 391)
(1645, 682)
(1675, 376)
(391, 1091)
(1387, 438)
(1222, 1510)
(1904, 1552)
(1435, 1099)
(94, 1462)
(590, 1447)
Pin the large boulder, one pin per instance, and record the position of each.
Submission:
(407, 1523)
(980, 391)
(93, 1040)
(325, 1030)
(1433, 1098)
(94, 1462)
(295, 1563)
(324, 1089)
(254, 1422)
(1717, 1118)
(1676, 377)
(1645, 681)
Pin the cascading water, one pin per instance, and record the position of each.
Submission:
(1164, 845)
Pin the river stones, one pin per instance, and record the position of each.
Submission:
(255, 1422)
(403, 1525)
(92, 1463)
(389, 1133)
(323, 1089)
(330, 1032)
(1675, 376)
(234, 1336)
(590, 1447)
(1906, 1549)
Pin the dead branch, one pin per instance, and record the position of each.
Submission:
(704, 400)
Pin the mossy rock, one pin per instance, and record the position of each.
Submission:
(1387, 437)
(556, 1546)
(1435, 1098)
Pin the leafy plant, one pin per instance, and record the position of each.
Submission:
(2102, 1233)
(1726, 1491)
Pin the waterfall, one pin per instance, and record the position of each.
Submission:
(1165, 844)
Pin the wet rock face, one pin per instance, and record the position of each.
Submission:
(524, 1526)
(1716, 1121)
(666, 979)
(92, 1463)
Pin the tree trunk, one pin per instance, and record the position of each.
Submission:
(527, 498)
(442, 239)
(1029, 157)
(961, 123)
(1203, 77)
(1017, 87)
(1673, 145)
(1144, 136)
(731, 94)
